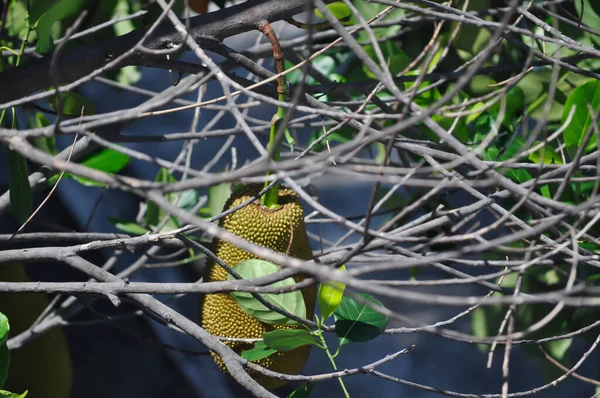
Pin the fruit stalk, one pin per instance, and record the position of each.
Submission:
(271, 197)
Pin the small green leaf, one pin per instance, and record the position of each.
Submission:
(583, 97)
(21, 198)
(330, 295)
(339, 9)
(127, 226)
(107, 160)
(292, 302)
(217, 196)
(259, 351)
(284, 340)
(73, 104)
(8, 394)
(355, 322)
(550, 155)
(59, 11)
(16, 22)
(188, 199)
(304, 391)
(558, 348)
(46, 144)
(550, 277)
(4, 353)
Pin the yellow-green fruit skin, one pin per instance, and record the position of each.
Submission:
(282, 230)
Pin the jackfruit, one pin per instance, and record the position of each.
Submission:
(282, 230)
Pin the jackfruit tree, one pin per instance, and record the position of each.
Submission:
(293, 198)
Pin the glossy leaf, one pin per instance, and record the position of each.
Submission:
(292, 302)
(284, 340)
(59, 11)
(356, 322)
(582, 98)
(21, 198)
(259, 351)
(330, 296)
(304, 391)
(4, 353)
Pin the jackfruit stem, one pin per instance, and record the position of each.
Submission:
(271, 198)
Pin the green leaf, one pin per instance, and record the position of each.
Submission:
(398, 60)
(588, 16)
(549, 277)
(558, 348)
(330, 296)
(4, 328)
(581, 97)
(259, 351)
(73, 104)
(37, 8)
(355, 322)
(515, 147)
(185, 200)
(217, 196)
(304, 391)
(8, 394)
(339, 9)
(284, 340)
(16, 22)
(107, 160)
(4, 353)
(127, 226)
(21, 198)
(46, 144)
(550, 155)
(292, 302)
(342, 135)
(188, 199)
(59, 11)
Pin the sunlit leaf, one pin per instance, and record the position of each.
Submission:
(293, 302)
(284, 340)
(357, 322)
(330, 296)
